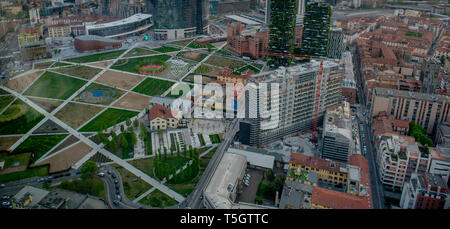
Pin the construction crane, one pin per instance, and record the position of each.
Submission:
(316, 105)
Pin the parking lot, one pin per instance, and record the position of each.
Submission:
(247, 194)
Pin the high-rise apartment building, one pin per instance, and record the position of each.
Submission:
(429, 74)
(426, 110)
(316, 29)
(336, 43)
(337, 136)
(282, 31)
(296, 97)
(178, 19)
(427, 191)
(399, 157)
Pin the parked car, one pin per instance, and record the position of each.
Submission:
(113, 175)
(119, 197)
(116, 202)
(101, 174)
(2, 185)
(109, 172)
(5, 197)
(116, 181)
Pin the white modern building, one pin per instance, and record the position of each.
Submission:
(136, 24)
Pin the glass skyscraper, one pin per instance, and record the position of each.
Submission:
(179, 18)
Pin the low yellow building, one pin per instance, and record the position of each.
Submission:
(162, 118)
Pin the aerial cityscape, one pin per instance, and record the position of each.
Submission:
(225, 104)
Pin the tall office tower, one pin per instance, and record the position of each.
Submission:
(282, 31)
(316, 29)
(178, 19)
(296, 96)
(336, 43)
(430, 74)
(300, 12)
(337, 136)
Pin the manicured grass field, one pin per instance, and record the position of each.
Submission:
(60, 64)
(97, 57)
(245, 68)
(79, 71)
(132, 185)
(194, 45)
(108, 118)
(53, 85)
(214, 138)
(181, 43)
(145, 165)
(76, 114)
(139, 52)
(107, 100)
(38, 145)
(165, 49)
(43, 65)
(11, 159)
(131, 65)
(153, 87)
(22, 124)
(3, 92)
(32, 172)
(225, 62)
(5, 100)
(158, 199)
(179, 86)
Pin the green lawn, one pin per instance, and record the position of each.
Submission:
(166, 49)
(158, 199)
(60, 64)
(139, 52)
(132, 185)
(3, 92)
(97, 57)
(40, 172)
(120, 151)
(145, 165)
(181, 43)
(79, 71)
(223, 52)
(5, 100)
(38, 145)
(108, 118)
(56, 86)
(195, 45)
(214, 138)
(191, 55)
(22, 124)
(23, 159)
(179, 87)
(106, 101)
(153, 87)
(225, 62)
(133, 64)
(93, 186)
(248, 67)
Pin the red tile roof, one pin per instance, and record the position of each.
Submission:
(338, 200)
(160, 111)
(314, 162)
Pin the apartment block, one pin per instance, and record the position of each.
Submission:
(398, 157)
(240, 43)
(336, 43)
(425, 191)
(426, 110)
(60, 30)
(348, 83)
(296, 97)
(337, 136)
(316, 29)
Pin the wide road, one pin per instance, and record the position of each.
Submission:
(194, 200)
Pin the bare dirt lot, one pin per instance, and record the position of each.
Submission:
(133, 101)
(65, 159)
(119, 79)
(6, 142)
(103, 64)
(19, 84)
(75, 114)
(47, 104)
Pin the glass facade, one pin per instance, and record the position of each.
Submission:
(120, 29)
(179, 14)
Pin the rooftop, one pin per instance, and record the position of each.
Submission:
(128, 20)
(339, 200)
(412, 95)
(159, 111)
